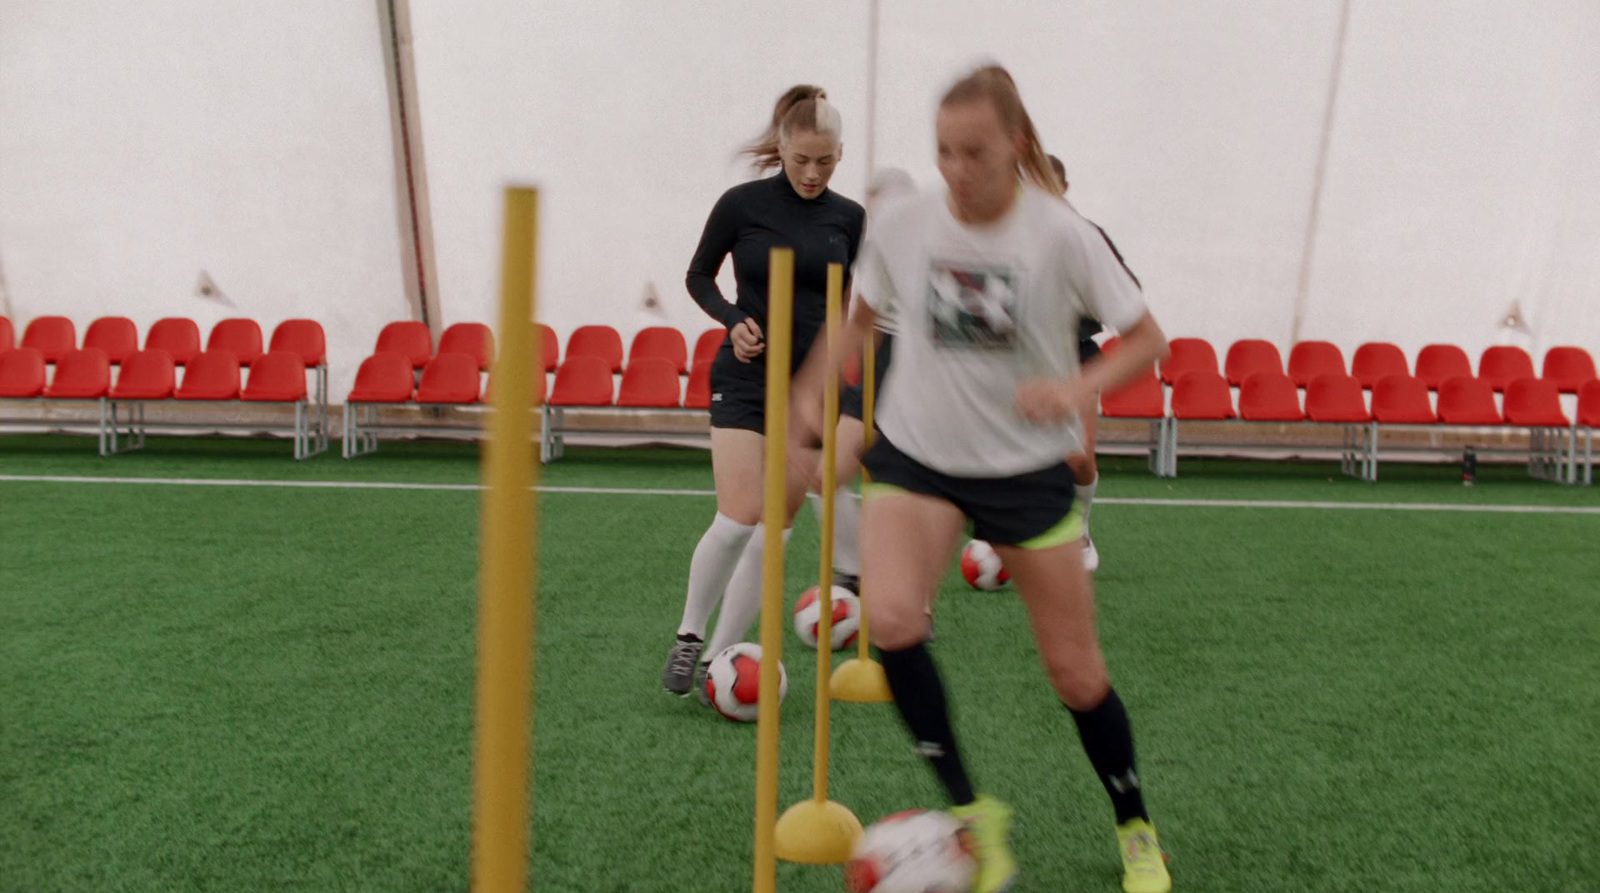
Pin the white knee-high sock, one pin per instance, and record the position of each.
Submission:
(847, 532)
(1084, 493)
(741, 604)
(710, 570)
(846, 529)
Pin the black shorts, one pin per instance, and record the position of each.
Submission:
(1087, 350)
(738, 392)
(850, 399)
(1034, 510)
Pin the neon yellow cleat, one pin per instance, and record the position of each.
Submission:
(988, 824)
(1144, 866)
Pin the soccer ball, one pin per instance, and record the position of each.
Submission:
(733, 682)
(919, 851)
(980, 565)
(846, 617)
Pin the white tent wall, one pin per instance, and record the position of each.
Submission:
(254, 142)
(141, 145)
(1461, 160)
(1463, 176)
(628, 116)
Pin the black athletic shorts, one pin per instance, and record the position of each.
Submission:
(738, 392)
(850, 399)
(1034, 510)
(1087, 348)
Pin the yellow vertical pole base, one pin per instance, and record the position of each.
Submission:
(817, 832)
(860, 681)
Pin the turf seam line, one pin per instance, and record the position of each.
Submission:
(629, 491)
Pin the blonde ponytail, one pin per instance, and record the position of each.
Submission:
(803, 107)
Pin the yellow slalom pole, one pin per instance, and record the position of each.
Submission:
(819, 831)
(780, 327)
(503, 709)
(861, 679)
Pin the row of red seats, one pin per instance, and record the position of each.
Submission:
(1569, 368)
(1338, 398)
(454, 379)
(414, 341)
(277, 376)
(54, 337)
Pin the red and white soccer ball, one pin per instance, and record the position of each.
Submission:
(919, 851)
(733, 682)
(846, 617)
(980, 565)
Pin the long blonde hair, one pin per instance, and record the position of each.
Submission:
(994, 83)
(803, 107)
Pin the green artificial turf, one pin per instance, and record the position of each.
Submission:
(247, 688)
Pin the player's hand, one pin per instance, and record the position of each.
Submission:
(747, 340)
(1049, 399)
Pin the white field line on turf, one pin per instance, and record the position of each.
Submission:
(628, 491)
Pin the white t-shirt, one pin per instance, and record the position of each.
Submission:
(980, 310)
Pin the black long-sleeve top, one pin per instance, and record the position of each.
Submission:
(750, 220)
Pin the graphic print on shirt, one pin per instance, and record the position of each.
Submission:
(972, 306)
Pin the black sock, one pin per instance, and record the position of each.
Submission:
(1108, 740)
(919, 696)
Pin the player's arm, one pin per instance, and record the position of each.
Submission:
(1111, 294)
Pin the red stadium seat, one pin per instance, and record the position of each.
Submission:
(450, 378)
(1569, 367)
(1337, 398)
(549, 346)
(51, 336)
(1138, 399)
(582, 380)
(597, 341)
(116, 336)
(241, 337)
(707, 345)
(8, 335)
(84, 374)
(1270, 397)
(384, 377)
(1589, 405)
(279, 376)
(1310, 359)
(1534, 403)
(1402, 400)
(1248, 356)
(210, 375)
(1202, 395)
(22, 373)
(649, 382)
(408, 338)
(1187, 355)
(474, 339)
(1503, 364)
(1438, 362)
(148, 374)
(178, 336)
(659, 342)
(1467, 401)
(538, 395)
(1377, 360)
(697, 394)
(302, 337)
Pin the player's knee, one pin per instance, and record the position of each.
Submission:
(1080, 680)
(896, 623)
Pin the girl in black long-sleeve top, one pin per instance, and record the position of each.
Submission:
(794, 209)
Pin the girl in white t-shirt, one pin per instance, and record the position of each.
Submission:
(987, 281)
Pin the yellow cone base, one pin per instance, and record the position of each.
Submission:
(860, 681)
(814, 833)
